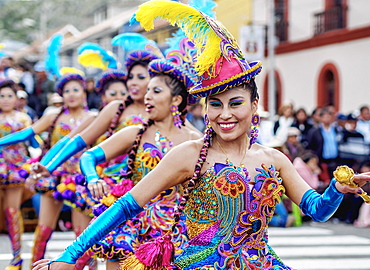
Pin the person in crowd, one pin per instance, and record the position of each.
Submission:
(307, 165)
(230, 197)
(55, 104)
(363, 124)
(301, 122)
(315, 118)
(352, 147)
(12, 175)
(265, 127)
(293, 147)
(284, 121)
(196, 117)
(23, 107)
(6, 68)
(94, 101)
(26, 77)
(363, 219)
(323, 141)
(44, 87)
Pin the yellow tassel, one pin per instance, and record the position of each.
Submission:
(27, 167)
(108, 200)
(61, 187)
(72, 187)
(133, 263)
(191, 21)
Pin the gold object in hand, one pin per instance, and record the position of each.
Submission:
(345, 176)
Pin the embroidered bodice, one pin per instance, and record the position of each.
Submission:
(227, 220)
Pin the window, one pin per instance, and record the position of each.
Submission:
(328, 87)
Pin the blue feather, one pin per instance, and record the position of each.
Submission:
(52, 55)
(131, 41)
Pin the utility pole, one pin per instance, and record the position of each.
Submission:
(271, 58)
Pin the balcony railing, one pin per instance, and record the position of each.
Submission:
(330, 19)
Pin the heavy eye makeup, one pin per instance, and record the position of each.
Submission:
(236, 102)
(215, 103)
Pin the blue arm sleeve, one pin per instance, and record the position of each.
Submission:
(123, 209)
(88, 162)
(20, 136)
(73, 146)
(321, 207)
(54, 150)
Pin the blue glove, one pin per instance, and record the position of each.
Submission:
(72, 147)
(88, 162)
(321, 207)
(20, 136)
(123, 209)
(34, 143)
(54, 150)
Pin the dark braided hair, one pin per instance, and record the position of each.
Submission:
(196, 175)
(131, 156)
(47, 142)
(115, 119)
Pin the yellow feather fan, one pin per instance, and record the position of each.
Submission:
(92, 59)
(71, 70)
(209, 37)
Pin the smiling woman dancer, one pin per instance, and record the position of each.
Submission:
(233, 183)
(72, 87)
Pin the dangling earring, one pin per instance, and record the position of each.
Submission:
(176, 116)
(84, 106)
(254, 129)
(207, 122)
(66, 110)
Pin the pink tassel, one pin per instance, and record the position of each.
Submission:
(156, 253)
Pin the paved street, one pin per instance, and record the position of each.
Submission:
(313, 246)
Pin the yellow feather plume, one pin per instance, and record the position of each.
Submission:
(71, 70)
(92, 59)
(2, 45)
(191, 21)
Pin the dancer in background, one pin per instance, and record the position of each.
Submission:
(12, 175)
(57, 125)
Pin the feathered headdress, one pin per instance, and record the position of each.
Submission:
(217, 49)
(92, 55)
(52, 64)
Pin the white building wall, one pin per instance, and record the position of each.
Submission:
(358, 13)
(299, 72)
(301, 18)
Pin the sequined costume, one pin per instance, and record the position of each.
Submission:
(12, 157)
(71, 189)
(227, 220)
(110, 170)
(155, 221)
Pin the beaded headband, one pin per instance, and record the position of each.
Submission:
(108, 76)
(67, 78)
(139, 56)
